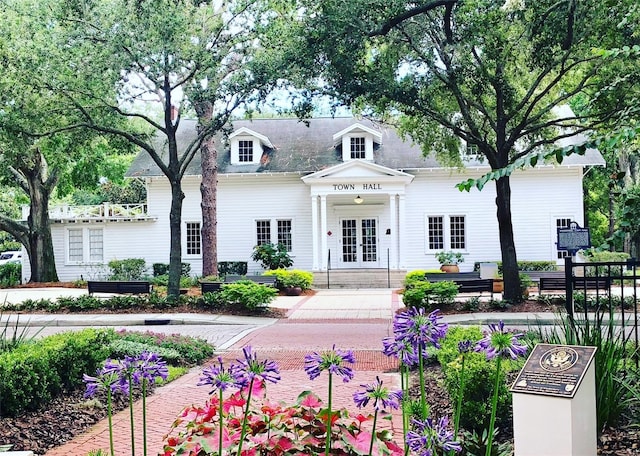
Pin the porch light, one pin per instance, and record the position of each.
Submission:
(358, 200)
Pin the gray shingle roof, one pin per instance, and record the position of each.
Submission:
(307, 148)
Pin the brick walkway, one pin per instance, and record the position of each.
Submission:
(285, 342)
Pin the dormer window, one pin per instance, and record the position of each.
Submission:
(357, 142)
(245, 151)
(247, 146)
(358, 148)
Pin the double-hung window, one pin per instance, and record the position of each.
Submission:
(194, 238)
(446, 232)
(562, 222)
(245, 151)
(358, 147)
(85, 245)
(275, 231)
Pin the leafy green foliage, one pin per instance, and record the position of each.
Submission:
(34, 373)
(526, 266)
(10, 275)
(272, 256)
(191, 350)
(291, 278)
(426, 294)
(247, 294)
(129, 269)
(232, 268)
(12, 336)
(120, 348)
(162, 269)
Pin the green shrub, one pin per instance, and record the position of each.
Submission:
(247, 294)
(427, 294)
(121, 348)
(291, 278)
(272, 256)
(10, 275)
(34, 373)
(192, 350)
(525, 266)
(162, 269)
(414, 276)
(129, 269)
(605, 256)
(480, 375)
(232, 268)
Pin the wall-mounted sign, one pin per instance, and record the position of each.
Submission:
(356, 187)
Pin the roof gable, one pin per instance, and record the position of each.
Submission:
(356, 169)
(358, 128)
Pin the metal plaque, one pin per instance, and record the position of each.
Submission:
(573, 238)
(554, 370)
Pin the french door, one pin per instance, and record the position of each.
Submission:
(359, 238)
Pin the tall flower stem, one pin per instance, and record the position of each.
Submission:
(109, 413)
(133, 445)
(144, 416)
(220, 422)
(373, 431)
(494, 406)
(458, 411)
(245, 418)
(423, 390)
(327, 445)
(406, 403)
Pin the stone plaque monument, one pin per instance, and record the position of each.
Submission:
(554, 402)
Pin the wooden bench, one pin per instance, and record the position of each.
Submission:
(214, 287)
(579, 283)
(468, 282)
(119, 286)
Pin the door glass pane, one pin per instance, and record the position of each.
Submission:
(369, 246)
(349, 241)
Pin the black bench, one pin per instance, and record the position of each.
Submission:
(535, 276)
(119, 286)
(579, 283)
(210, 287)
(468, 282)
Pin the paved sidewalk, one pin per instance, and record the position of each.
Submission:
(348, 319)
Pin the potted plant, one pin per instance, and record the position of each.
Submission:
(295, 282)
(449, 261)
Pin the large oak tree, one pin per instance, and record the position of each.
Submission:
(484, 73)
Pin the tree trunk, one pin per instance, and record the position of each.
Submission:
(507, 243)
(175, 248)
(209, 195)
(36, 180)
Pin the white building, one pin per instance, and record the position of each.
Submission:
(340, 193)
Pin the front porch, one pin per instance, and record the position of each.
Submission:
(359, 278)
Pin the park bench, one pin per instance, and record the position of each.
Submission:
(579, 283)
(468, 282)
(119, 286)
(213, 287)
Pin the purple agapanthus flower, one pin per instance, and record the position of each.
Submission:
(465, 346)
(108, 376)
(419, 328)
(499, 341)
(332, 361)
(218, 377)
(401, 349)
(250, 368)
(427, 438)
(382, 397)
(151, 366)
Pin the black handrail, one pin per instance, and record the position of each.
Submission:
(328, 268)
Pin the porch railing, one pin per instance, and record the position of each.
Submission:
(100, 211)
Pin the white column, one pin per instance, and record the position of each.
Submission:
(393, 238)
(314, 232)
(401, 225)
(323, 231)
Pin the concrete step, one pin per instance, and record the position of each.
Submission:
(359, 278)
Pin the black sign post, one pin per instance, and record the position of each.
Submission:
(573, 238)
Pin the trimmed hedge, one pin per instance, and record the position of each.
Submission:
(524, 266)
(34, 373)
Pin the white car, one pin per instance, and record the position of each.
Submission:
(10, 257)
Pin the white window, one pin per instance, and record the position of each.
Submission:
(85, 245)
(284, 234)
(358, 148)
(245, 151)
(446, 232)
(562, 222)
(194, 239)
(263, 232)
(276, 231)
